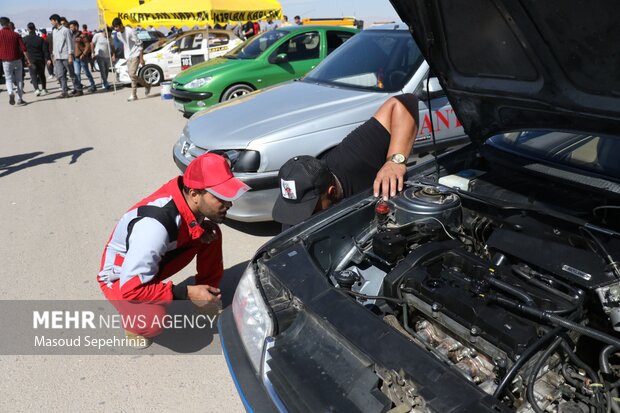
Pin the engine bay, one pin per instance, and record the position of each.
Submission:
(516, 294)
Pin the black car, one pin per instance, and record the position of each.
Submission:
(491, 283)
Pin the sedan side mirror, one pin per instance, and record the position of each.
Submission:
(434, 89)
(281, 58)
(175, 49)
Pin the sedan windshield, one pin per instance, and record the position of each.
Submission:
(253, 48)
(590, 152)
(376, 60)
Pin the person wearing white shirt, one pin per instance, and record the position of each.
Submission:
(134, 55)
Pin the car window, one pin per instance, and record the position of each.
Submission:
(189, 42)
(592, 152)
(302, 47)
(218, 39)
(336, 38)
(377, 60)
(256, 45)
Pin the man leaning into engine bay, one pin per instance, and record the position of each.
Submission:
(374, 153)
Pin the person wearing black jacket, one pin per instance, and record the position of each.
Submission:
(38, 54)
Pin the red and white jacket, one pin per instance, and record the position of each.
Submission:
(156, 230)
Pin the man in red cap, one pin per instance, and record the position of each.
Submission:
(162, 234)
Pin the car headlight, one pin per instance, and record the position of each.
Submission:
(241, 160)
(252, 316)
(197, 83)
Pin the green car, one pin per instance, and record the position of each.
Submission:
(264, 60)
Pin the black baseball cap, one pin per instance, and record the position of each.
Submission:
(302, 181)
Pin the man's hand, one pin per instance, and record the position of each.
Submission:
(202, 295)
(70, 59)
(389, 180)
(141, 61)
(211, 233)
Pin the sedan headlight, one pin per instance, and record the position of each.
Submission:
(251, 316)
(241, 160)
(198, 83)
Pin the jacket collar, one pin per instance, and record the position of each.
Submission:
(187, 216)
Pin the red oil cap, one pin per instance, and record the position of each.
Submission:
(382, 208)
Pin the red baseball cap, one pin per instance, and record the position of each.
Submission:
(212, 173)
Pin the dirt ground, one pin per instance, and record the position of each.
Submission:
(69, 168)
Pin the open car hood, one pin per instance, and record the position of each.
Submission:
(514, 65)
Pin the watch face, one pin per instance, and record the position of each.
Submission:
(398, 158)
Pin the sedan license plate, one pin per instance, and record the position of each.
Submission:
(179, 106)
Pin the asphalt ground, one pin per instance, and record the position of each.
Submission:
(69, 168)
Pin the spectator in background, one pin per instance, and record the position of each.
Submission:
(298, 21)
(38, 55)
(270, 25)
(285, 22)
(49, 39)
(119, 50)
(151, 29)
(89, 36)
(62, 54)
(103, 52)
(134, 56)
(82, 57)
(12, 51)
(173, 31)
(248, 29)
(237, 30)
(64, 22)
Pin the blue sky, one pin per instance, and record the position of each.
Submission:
(23, 11)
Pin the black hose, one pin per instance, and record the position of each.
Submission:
(605, 368)
(555, 320)
(532, 279)
(524, 358)
(604, 359)
(512, 290)
(589, 371)
(537, 367)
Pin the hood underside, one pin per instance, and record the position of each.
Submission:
(514, 65)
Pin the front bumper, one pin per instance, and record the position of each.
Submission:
(191, 102)
(187, 95)
(249, 386)
(122, 75)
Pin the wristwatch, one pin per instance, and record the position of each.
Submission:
(398, 158)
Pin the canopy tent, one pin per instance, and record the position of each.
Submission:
(109, 9)
(189, 12)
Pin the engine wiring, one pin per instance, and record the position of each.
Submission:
(602, 251)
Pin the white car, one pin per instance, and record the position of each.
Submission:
(165, 59)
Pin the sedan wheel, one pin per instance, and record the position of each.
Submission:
(236, 91)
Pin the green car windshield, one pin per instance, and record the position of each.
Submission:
(255, 46)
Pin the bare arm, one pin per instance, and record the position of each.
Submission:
(402, 128)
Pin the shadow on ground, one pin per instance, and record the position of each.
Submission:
(191, 340)
(16, 163)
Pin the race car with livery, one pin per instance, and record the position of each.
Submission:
(169, 56)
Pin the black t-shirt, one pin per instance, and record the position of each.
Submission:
(360, 155)
(248, 26)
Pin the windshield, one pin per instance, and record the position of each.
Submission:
(253, 47)
(591, 152)
(377, 60)
(157, 45)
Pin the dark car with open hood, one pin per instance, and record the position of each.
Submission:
(491, 283)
